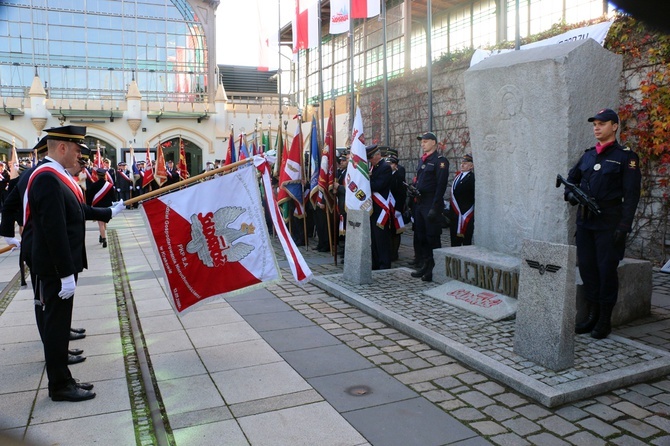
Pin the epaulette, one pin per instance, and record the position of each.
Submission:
(588, 150)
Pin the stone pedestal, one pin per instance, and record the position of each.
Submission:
(358, 261)
(545, 319)
(634, 299)
(527, 114)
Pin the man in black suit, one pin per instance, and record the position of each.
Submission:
(462, 208)
(399, 191)
(172, 173)
(57, 213)
(380, 220)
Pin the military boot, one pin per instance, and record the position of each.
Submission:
(604, 325)
(428, 274)
(422, 269)
(592, 313)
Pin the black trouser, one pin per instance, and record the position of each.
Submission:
(56, 331)
(381, 245)
(466, 239)
(426, 234)
(321, 223)
(598, 259)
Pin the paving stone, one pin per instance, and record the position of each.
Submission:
(585, 439)
(631, 409)
(416, 363)
(499, 413)
(451, 404)
(558, 425)
(637, 428)
(468, 414)
(394, 369)
(522, 426)
(646, 389)
(627, 440)
(660, 422)
(604, 412)
(659, 409)
(428, 374)
(476, 399)
(638, 398)
(437, 396)
(447, 383)
(533, 412)
(488, 428)
(571, 413)
(369, 351)
(511, 399)
(599, 427)
(546, 439)
(490, 388)
(472, 377)
(423, 386)
(509, 440)
(661, 441)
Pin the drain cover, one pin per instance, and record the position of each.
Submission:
(359, 390)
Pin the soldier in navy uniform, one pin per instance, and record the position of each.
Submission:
(609, 173)
(432, 175)
(4, 183)
(381, 219)
(462, 208)
(172, 173)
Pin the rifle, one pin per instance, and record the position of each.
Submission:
(412, 192)
(580, 196)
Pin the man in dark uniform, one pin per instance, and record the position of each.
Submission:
(380, 220)
(172, 173)
(432, 175)
(399, 192)
(123, 182)
(462, 208)
(609, 173)
(56, 210)
(340, 194)
(4, 183)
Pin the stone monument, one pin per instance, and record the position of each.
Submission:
(358, 261)
(545, 318)
(527, 113)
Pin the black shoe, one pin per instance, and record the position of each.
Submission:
(99, 239)
(104, 242)
(74, 336)
(428, 277)
(75, 359)
(423, 269)
(604, 325)
(75, 352)
(73, 393)
(588, 324)
(78, 330)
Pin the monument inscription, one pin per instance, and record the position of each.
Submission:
(483, 276)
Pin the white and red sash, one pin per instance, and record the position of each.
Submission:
(464, 218)
(61, 174)
(101, 193)
(387, 208)
(123, 174)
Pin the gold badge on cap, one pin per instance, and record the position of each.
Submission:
(596, 167)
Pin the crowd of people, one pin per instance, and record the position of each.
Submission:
(51, 201)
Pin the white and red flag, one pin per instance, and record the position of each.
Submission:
(360, 9)
(306, 33)
(211, 243)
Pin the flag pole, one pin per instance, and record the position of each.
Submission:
(187, 181)
(320, 68)
(304, 176)
(386, 81)
(333, 160)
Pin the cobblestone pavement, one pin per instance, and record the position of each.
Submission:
(639, 414)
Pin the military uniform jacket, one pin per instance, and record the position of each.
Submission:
(398, 189)
(613, 180)
(105, 199)
(432, 175)
(123, 180)
(58, 217)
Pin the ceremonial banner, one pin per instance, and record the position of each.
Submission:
(306, 25)
(148, 176)
(161, 169)
(211, 243)
(357, 180)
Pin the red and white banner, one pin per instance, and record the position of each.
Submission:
(306, 31)
(211, 243)
(363, 9)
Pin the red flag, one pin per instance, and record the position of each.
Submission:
(148, 170)
(203, 235)
(291, 176)
(230, 154)
(183, 169)
(362, 9)
(325, 195)
(161, 171)
(97, 161)
(306, 25)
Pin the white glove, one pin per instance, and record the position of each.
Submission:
(13, 241)
(117, 207)
(67, 286)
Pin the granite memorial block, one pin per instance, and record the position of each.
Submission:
(476, 300)
(545, 319)
(527, 114)
(358, 261)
